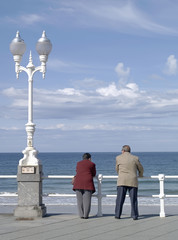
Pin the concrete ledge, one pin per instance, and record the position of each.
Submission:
(29, 212)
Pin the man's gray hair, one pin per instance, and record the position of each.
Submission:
(126, 148)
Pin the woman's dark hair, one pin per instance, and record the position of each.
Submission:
(86, 156)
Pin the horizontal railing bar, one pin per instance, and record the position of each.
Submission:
(114, 195)
(57, 176)
(8, 176)
(59, 195)
(171, 176)
(171, 196)
(94, 195)
(71, 176)
(105, 176)
(115, 176)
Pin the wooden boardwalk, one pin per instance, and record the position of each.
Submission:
(63, 224)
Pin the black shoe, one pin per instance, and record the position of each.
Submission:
(135, 218)
(117, 217)
(85, 217)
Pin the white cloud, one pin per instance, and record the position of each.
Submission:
(104, 108)
(130, 91)
(69, 67)
(28, 19)
(171, 65)
(70, 103)
(111, 90)
(160, 103)
(94, 127)
(133, 86)
(20, 103)
(60, 126)
(122, 16)
(111, 127)
(67, 10)
(56, 64)
(104, 126)
(69, 92)
(87, 83)
(10, 128)
(13, 92)
(67, 114)
(123, 73)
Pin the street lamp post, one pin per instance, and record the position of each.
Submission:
(29, 175)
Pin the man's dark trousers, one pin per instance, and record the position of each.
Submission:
(121, 194)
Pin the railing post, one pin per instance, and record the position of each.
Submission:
(99, 195)
(161, 195)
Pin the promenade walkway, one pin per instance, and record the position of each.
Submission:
(62, 223)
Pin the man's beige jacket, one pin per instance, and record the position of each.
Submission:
(128, 168)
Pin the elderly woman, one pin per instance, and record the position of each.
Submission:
(84, 185)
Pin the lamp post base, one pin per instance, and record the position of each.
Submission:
(29, 179)
(29, 212)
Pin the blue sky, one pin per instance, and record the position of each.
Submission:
(112, 75)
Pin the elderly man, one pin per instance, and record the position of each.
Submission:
(127, 167)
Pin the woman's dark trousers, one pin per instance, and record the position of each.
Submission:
(84, 202)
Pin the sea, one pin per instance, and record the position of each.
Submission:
(64, 163)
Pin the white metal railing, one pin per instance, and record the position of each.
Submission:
(99, 195)
(161, 195)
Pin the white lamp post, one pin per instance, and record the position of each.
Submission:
(30, 169)
(17, 48)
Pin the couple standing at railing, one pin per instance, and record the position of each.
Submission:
(127, 167)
